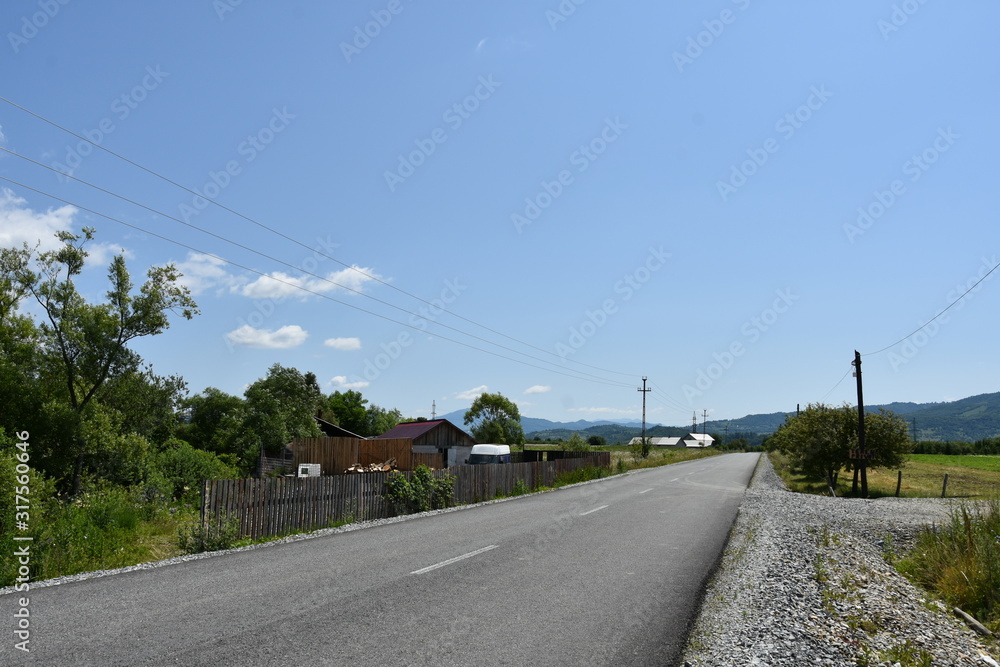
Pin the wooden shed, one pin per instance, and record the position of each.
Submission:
(438, 436)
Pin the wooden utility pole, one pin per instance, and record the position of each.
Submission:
(644, 391)
(862, 452)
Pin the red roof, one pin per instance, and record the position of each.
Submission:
(412, 430)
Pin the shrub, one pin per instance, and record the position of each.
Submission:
(196, 538)
(421, 492)
(183, 468)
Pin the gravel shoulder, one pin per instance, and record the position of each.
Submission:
(804, 582)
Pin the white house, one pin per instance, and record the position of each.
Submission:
(698, 440)
(690, 440)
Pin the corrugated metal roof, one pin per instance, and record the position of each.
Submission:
(412, 430)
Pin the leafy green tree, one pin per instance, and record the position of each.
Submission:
(820, 440)
(381, 420)
(348, 410)
(597, 441)
(213, 418)
(84, 346)
(278, 408)
(495, 418)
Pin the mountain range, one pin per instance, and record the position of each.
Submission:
(967, 419)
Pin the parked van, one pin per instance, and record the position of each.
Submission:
(489, 454)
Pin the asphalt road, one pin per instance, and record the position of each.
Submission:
(606, 573)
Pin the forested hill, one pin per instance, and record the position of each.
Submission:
(968, 419)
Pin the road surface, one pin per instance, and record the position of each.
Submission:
(606, 573)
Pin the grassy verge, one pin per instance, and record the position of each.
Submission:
(960, 561)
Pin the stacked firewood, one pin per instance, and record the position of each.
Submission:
(387, 466)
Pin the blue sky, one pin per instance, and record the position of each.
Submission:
(729, 197)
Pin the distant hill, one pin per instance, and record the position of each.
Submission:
(968, 419)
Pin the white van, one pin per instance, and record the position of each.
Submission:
(489, 454)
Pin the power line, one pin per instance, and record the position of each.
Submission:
(868, 354)
(308, 291)
(293, 240)
(279, 261)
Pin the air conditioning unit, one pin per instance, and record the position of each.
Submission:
(308, 470)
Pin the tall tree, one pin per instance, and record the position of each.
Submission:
(86, 344)
(495, 418)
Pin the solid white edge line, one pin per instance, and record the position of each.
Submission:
(593, 510)
(455, 559)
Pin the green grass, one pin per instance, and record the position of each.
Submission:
(960, 560)
(923, 477)
(990, 463)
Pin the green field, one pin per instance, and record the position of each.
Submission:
(923, 477)
(991, 463)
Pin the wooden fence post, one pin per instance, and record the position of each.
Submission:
(899, 482)
(944, 489)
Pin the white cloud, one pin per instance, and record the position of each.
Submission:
(279, 284)
(472, 394)
(203, 272)
(19, 224)
(3, 139)
(284, 338)
(537, 389)
(343, 344)
(341, 382)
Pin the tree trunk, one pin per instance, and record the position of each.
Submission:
(854, 486)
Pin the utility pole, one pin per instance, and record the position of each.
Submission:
(644, 391)
(694, 422)
(862, 453)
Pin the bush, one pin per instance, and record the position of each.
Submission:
(183, 468)
(421, 492)
(196, 538)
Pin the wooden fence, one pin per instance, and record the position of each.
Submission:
(284, 505)
(336, 454)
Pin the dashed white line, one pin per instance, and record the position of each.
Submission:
(455, 559)
(596, 509)
(646, 491)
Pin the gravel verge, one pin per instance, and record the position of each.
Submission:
(804, 582)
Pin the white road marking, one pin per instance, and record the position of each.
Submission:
(646, 491)
(593, 510)
(455, 559)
